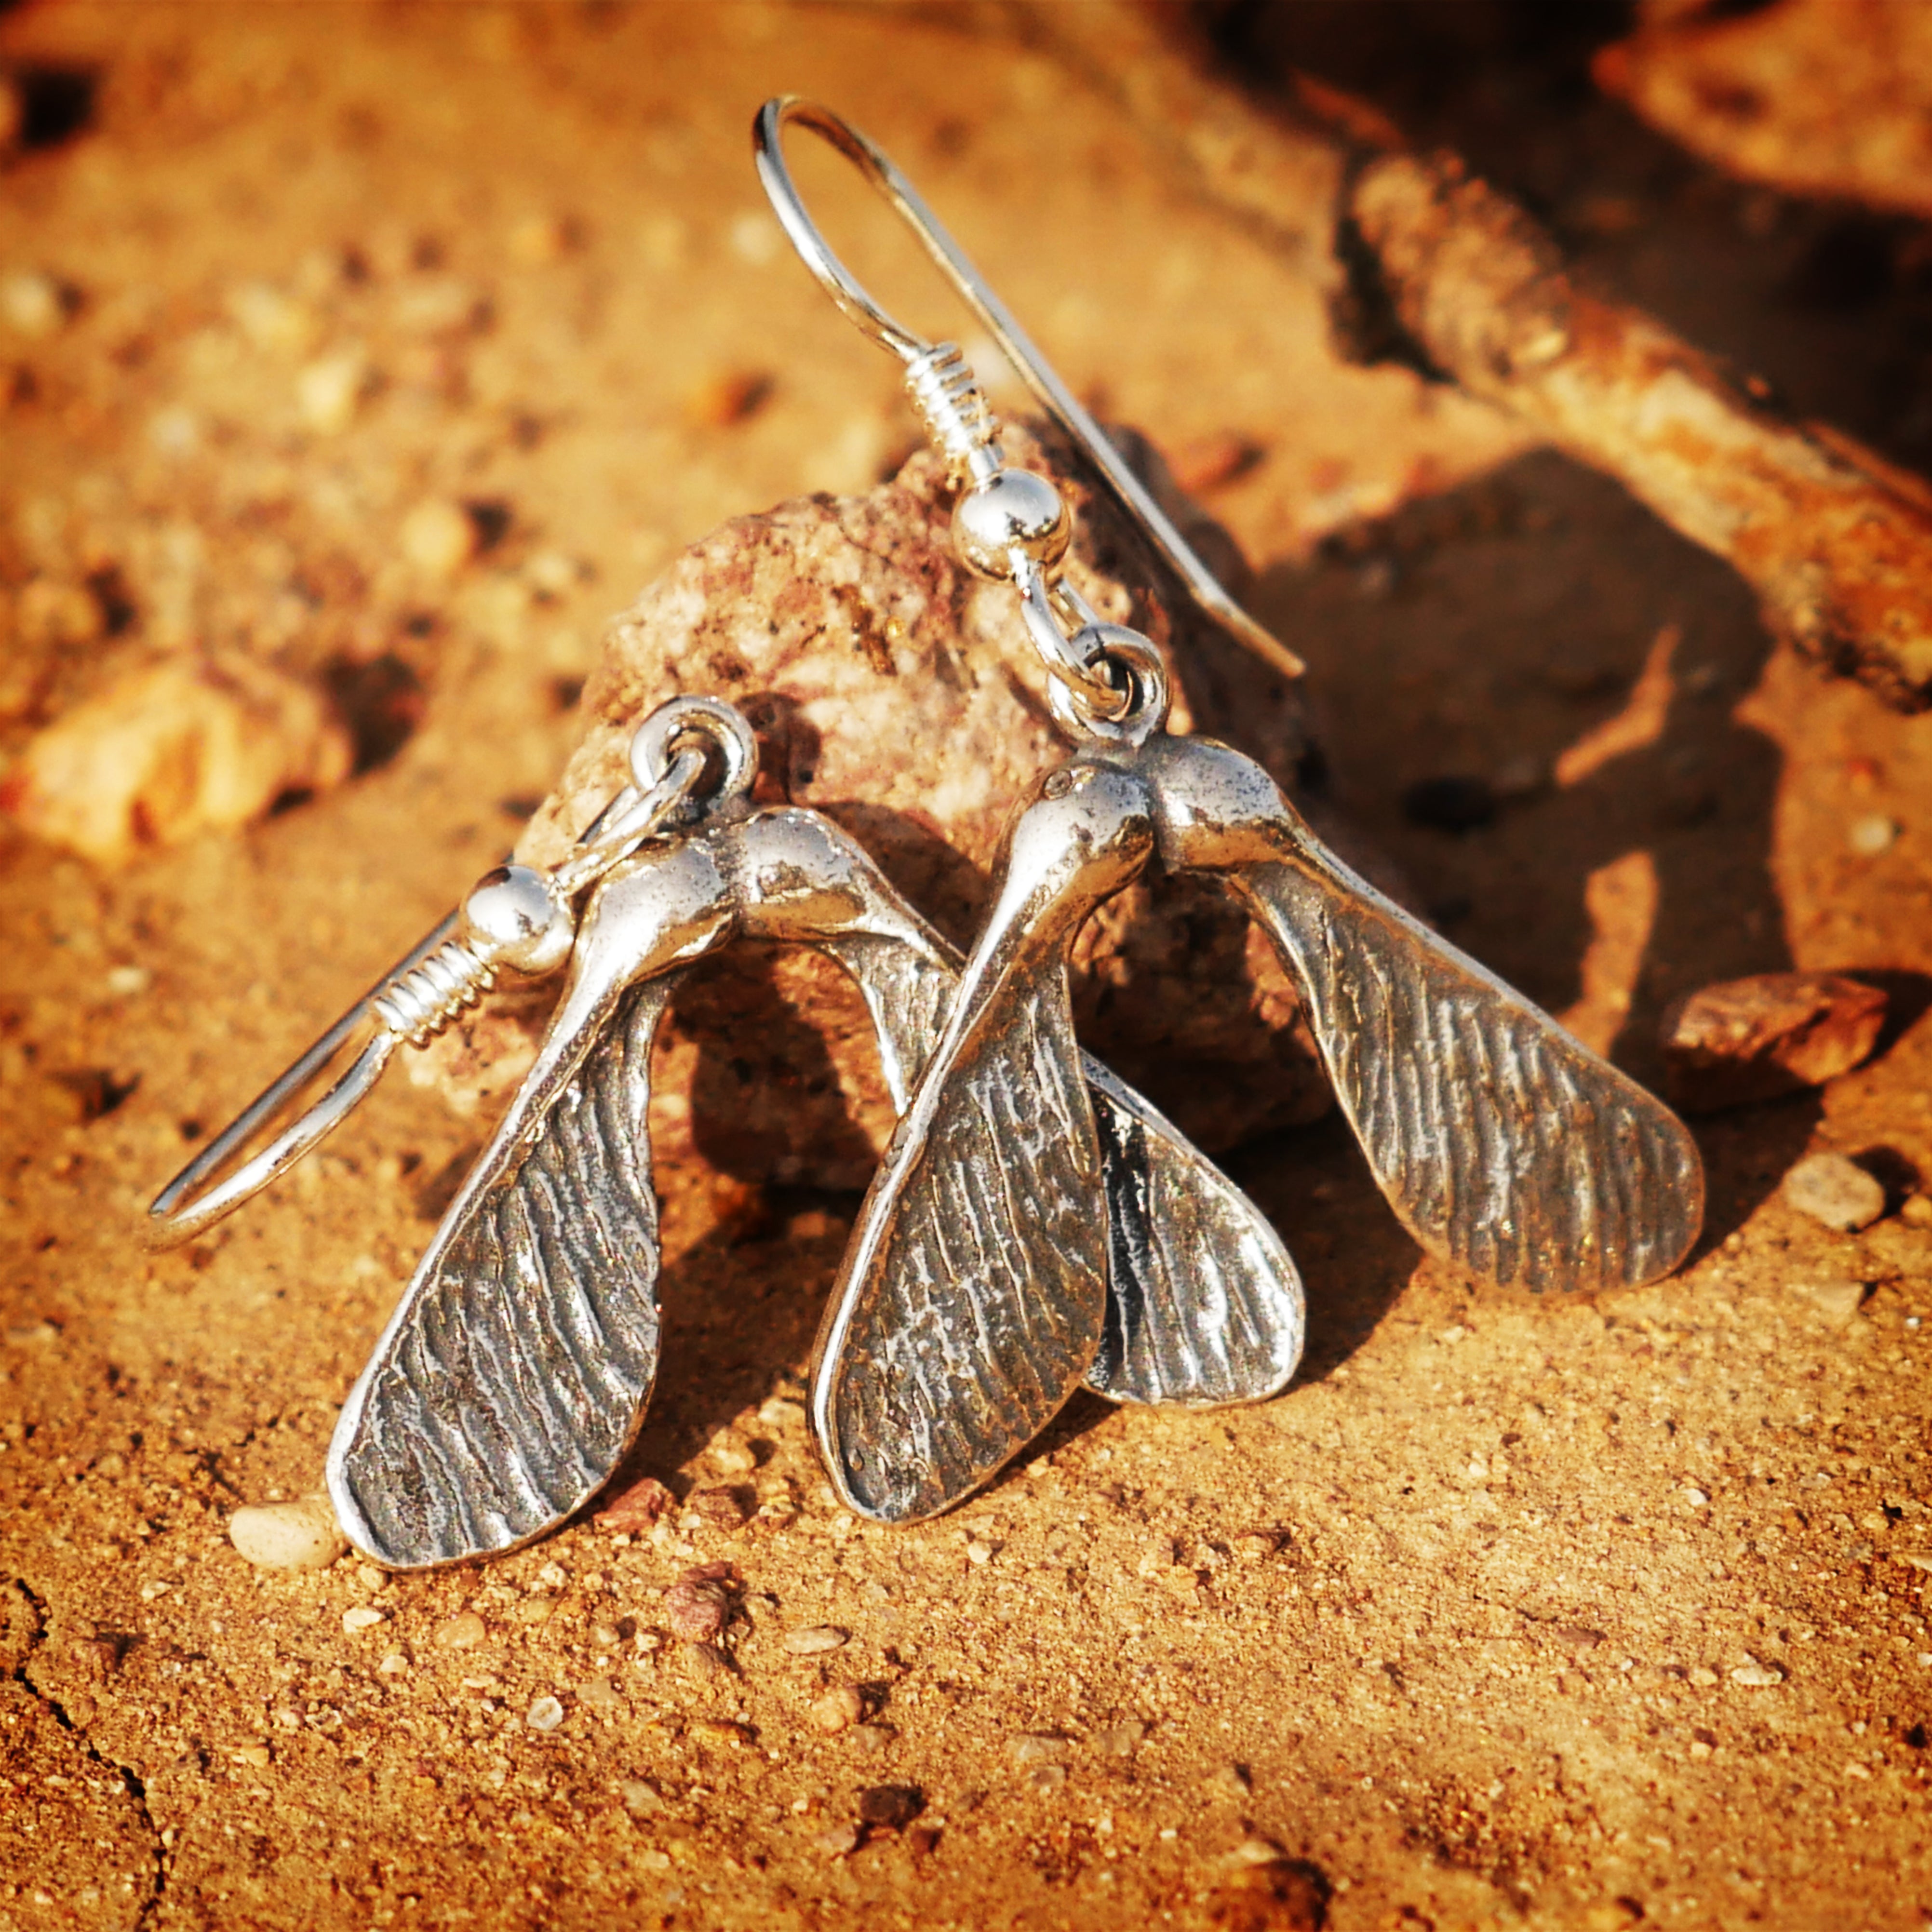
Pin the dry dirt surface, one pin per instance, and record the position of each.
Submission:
(388, 350)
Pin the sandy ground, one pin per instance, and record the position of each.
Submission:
(1505, 1615)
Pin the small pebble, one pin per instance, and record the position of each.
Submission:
(545, 1715)
(977, 1552)
(1121, 1740)
(722, 1731)
(839, 1709)
(836, 1840)
(732, 396)
(464, 1631)
(1836, 1298)
(1702, 1675)
(329, 390)
(1738, 1041)
(697, 1609)
(606, 1636)
(394, 1664)
(302, 1535)
(641, 1798)
(371, 1578)
(1036, 1748)
(870, 1739)
(1917, 1211)
(638, 1508)
(718, 1508)
(1045, 1779)
(363, 1618)
(1756, 1676)
(534, 1610)
(599, 1692)
(30, 303)
(439, 537)
(894, 1807)
(1867, 837)
(1835, 1191)
(728, 1452)
(815, 1639)
(705, 1661)
(259, 1755)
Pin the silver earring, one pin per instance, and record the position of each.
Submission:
(514, 1375)
(973, 1293)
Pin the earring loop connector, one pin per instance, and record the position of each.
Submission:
(838, 282)
(516, 918)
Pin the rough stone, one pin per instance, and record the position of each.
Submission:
(839, 1709)
(899, 694)
(814, 1640)
(893, 1807)
(302, 1535)
(1746, 1040)
(638, 1508)
(171, 750)
(1835, 1191)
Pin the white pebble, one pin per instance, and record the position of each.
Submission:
(1836, 1298)
(301, 1535)
(1835, 1191)
(329, 389)
(814, 1640)
(545, 1715)
(1756, 1676)
(1872, 834)
(438, 538)
(363, 1618)
(31, 304)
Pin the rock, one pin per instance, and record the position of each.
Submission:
(697, 1612)
(637, 1508)
(545, 1715)
(718, 1508)
(1037, 1747)
(1755, 1676)
(1836, 1298)
(642, 1799)
(814, 1640)
(363, 1618)
(704, 1661)
(599, 1692)
(900, 694)
(174, 749)
(1121, 1740)
(893, 1807)
(301, 1535)
(31, 304)
(1043, 1780)
(439, 538)
(329, 390)
(464, 1631)
(836, 1841)
(839, 1709)
(1835, 1191)
(1746, 1040)
(1867, 837)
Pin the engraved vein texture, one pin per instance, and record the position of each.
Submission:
(514, 1381)
(964, 1344)
(1204, 1304)
(1505, 1145)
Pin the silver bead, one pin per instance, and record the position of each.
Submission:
(512, 918)
(1014, 510)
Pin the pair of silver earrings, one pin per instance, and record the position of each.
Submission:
(1035, 1225)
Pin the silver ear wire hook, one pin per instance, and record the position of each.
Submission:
(930, 364)
(515, 918)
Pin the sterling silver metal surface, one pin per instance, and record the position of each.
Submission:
(1504, 1145)
(514, 1375)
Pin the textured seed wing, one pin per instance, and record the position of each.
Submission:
(1203, 1302)
(1504, 1144)
(514, 1375)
